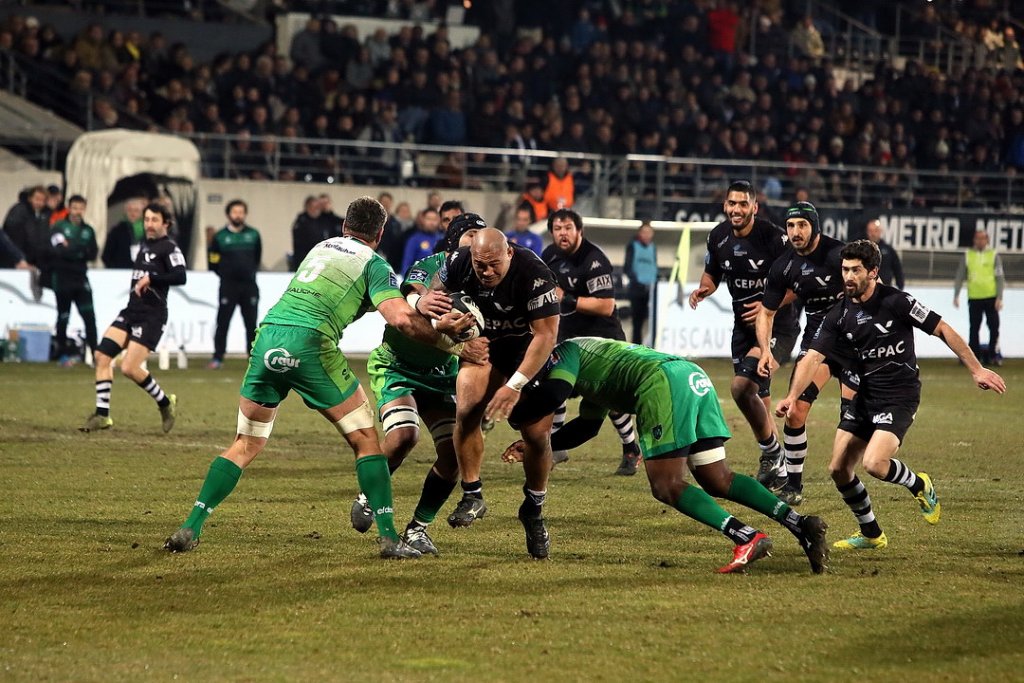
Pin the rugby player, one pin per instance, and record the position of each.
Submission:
(296, 348)
(411, 379)
(137, 329)
(879, 322)
(679, 420)
(584, 277)
(811, 272)
(516, 294)
(741, 250)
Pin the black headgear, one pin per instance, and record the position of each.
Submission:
(459, 226)
(806, 211)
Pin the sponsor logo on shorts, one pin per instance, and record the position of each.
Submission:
(657, 432)
(279, 360)
(699, 383)
(882, 418)
(136, 330)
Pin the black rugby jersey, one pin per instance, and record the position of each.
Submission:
(526, 293)
(744, 264)
(816, 279)
(585, 272)
(881, 332)
(163, 261)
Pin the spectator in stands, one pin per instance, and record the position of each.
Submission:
(391, 246)
(28, 226)
(533, 199)
(55, 204)
(305, 47)
(403, 214)
(641, 268)
(520, 233)
(891, 270)
(559, 192)
(447, 124)
(308, 230)
(807, 40)
(123, 240)
(420, 244)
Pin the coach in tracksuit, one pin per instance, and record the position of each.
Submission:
(234, 254)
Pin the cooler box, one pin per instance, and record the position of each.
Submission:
(34, 344)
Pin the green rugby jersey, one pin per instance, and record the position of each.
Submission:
(338, 281)
(607, 372)
(409, 351)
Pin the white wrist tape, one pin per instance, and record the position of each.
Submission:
(414, 299)
(517, 382)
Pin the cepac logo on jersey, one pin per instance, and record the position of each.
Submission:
(699, 383)
(279, 360)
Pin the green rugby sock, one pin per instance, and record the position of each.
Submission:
(749, 492)
(696, 504)
(375, 482)
(220, 482)
(435, 492)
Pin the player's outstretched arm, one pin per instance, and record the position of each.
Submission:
(400, 315)
(983, 377)
(803, 374)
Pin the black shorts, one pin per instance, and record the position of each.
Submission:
(746, 367)
(866, 416)
(535, 402)
(783, 342)
(839, 370)
(145, 327)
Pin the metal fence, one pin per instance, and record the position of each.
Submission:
(658, 182)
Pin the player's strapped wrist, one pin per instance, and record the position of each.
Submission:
(568, 303)
(413, 299)
(517, 382)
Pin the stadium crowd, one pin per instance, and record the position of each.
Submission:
(659, 78)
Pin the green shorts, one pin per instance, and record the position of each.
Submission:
(284, 357)
(390, 378)
(677, 407)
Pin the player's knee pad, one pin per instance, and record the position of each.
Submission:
(247, 427)
(108, 347)
(442, 430)
(400, 417)
(360, 418)
(707, 457)
(810, 394)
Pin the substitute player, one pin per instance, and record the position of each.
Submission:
(515, 291)
(584, 276)
(679, 420)
(811, 272)
(137, 329)
(413, 380)
(879, 321)
(741, 250)
(296, 348)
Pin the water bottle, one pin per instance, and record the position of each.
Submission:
(182, 358)
(164, 356)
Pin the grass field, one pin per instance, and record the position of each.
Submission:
(283, 589)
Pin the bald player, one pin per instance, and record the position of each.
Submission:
(515, 291)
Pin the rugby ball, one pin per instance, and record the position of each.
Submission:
(464, 304)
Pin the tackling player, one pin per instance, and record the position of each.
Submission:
(811, 272)
(411, 379)
(741, 250)
(878, 321)
(515, 291)
(296, 348)
(584, 276)
(679, 420)
(137, 329)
